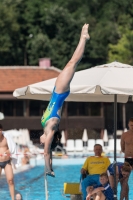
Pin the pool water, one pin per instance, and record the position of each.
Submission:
(31, 183)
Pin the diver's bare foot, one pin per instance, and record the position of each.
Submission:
(50, 174)
(84, 32)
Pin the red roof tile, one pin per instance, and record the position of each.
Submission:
(16, 77)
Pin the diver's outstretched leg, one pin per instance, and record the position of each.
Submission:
(63, 81)
(47, 153)
(51, 172)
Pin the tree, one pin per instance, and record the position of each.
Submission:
(34, 29)
(8, 32)
(123, 50)
(56, 37)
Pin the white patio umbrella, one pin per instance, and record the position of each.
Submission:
(111, 82)
(85, 136)
(105, 138)
(98, 84)
(63, 140)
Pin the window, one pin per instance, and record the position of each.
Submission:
(43, 106)
(8, 107)
(72, 108)
(1, 106)
(34, 108)
(84, 109)
(95, 108)
(19, 107)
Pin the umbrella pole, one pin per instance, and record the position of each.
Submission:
(115, 129)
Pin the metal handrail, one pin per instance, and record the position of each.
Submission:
(46, 186)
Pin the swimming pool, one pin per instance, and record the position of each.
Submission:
(30, 183)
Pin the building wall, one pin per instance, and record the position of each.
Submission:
(27, 114)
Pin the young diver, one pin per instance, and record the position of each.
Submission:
(51, 117)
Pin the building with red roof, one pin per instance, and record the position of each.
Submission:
(21, 114)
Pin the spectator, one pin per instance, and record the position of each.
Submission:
(122, 174)
(26, 156)
(127, 143)
(92, 168)
(102, 191)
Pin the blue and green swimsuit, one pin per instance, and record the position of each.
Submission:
(54, 105)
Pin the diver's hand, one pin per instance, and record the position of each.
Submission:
(88, 197)
(42, 139)
(6, 153)
(83, 171)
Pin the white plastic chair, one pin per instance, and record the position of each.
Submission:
(100, 141)
(70, 145)
(91, 143)
(111, 145)
(118, 145)
(119, 132)
(79, 145)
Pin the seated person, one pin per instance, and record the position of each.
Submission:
(26, 156)
(94, 166)
(122, 174)
(102, 191)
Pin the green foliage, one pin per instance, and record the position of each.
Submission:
(33, 29)
(56, 37)
(8, 29)
(123, 50)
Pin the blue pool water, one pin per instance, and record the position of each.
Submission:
(31, 182)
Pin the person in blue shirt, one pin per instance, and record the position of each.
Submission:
(102, 191)
(122, 175)
(51, 117)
